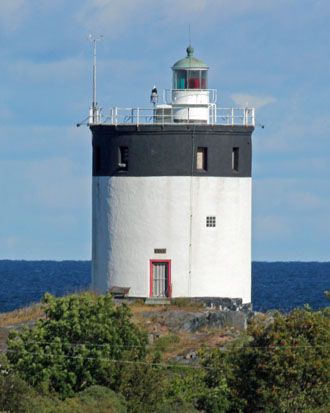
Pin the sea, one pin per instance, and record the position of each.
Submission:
(275, 285)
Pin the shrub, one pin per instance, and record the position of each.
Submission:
(96, 399)
(143, 386)
(78, 345)
(163, 343)
(285, 367)
(185, 385)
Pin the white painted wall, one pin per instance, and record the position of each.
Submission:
(134, 215)
(187, 97)
(195, 99)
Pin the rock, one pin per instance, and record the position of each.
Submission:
(223, 304)
(191, 356)
(215, 319)
(222, 319)
(194, 321)
(153, 336)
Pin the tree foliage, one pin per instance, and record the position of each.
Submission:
(85, 348)
(79, 344)
(283, 367)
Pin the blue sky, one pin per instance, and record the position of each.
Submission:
(273, 54)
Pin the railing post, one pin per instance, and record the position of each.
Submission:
(253, 117)
(90, 118)
(137, 116)
(232, 116)
(116, 115)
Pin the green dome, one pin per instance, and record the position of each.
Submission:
(189, 62)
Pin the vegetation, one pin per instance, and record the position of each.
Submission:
(32, 312)
(86, 355)
(186, 303)
(18, 397)
(79, 344)
(284, 366)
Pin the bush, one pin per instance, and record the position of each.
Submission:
(165, 342)
(19, 397)
(185, 385)
(284, 367)
(79, 344)
(143, 386)
(14, 393)
(97, 399)
(153, 388)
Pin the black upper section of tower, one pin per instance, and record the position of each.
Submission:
(172, 150)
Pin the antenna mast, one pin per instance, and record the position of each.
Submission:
(94, 106)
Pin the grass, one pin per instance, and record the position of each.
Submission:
(176, 304)
(165, 342)
(186, 304)
(32, 312)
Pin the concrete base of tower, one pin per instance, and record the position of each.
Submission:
(215, 303)
(177, 236)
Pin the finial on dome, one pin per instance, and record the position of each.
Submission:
(190, 51)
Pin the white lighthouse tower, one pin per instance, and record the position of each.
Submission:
(172, 194)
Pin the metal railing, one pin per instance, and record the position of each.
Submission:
(168, 115)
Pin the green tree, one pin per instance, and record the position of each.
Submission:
(283, 366)
(96, 399)
(79, 344)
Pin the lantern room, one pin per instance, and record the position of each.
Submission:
(190, 73)
(190, 97)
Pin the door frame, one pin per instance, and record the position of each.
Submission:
(168, 277)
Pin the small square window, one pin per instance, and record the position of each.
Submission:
(210, 221)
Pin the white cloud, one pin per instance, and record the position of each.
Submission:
(11, 241)
(257, 102)
(58, 72)
(12, 13)
(301, 167)
(52, 184)
(110, 16)
(5, 112)
(115, 16)
(270, 227)
(15, 13)
(301, 200)
(297, 132)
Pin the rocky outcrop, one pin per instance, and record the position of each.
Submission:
(194, 321)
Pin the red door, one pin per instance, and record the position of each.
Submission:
(160, 278)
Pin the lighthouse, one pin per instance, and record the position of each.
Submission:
(172, 193)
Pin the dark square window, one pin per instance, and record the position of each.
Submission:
(211, 222)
